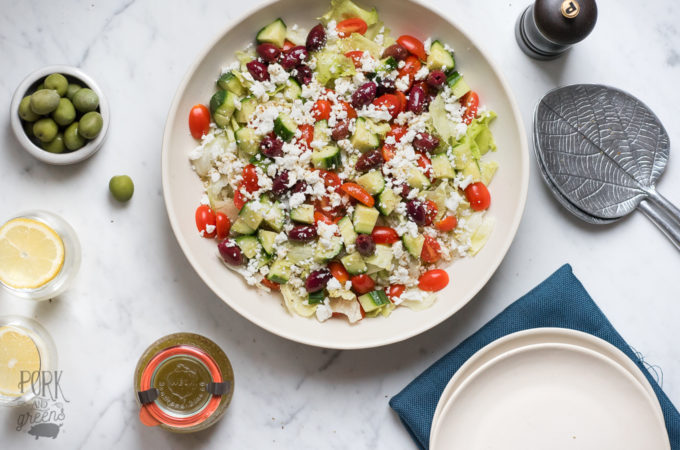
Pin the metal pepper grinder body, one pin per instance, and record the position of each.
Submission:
(548, 28)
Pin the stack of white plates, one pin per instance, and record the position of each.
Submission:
(549, 389)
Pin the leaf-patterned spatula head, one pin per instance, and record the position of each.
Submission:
(602, 150)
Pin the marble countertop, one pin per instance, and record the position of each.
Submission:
(135, 284)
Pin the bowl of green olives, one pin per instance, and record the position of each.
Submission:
(59, 115)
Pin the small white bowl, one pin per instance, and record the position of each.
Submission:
(28, 85)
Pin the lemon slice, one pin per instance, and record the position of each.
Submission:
(18, 353)
(31, 254)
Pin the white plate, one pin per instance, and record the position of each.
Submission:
(182, 189)
(550, 396)
(541, 336)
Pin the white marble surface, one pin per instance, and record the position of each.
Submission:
(135, 285)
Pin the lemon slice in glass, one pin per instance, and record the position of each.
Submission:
(31, 254)
(18, 353)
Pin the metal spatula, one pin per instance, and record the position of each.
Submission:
(600, 151)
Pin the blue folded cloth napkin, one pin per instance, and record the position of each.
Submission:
(560, 301)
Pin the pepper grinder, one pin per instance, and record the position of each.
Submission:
(548, 28)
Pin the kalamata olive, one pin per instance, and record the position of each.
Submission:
(417, 212)
(271, 146)
(364, 95)
(386, 86)
(317, 280)
(300, 186)
(425, 142)
(340, 131)
(436, 78)
(302, 233)
(268, 52)
(303, 74)
(396, 51)
(316, 38)
(280, 184)
(404, 190)
(365, 245)
(230, 252)
(294, 57)
(258, 70)
(369, 160)
(416, 99)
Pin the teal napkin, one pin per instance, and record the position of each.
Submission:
(560, 301)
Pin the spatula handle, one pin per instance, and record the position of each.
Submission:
(660, 218)
(669, 208)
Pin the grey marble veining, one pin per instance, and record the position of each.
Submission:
(135, 284)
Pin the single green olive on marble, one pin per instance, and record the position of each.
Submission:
(58, 82)
(121, 187)
(65, 112)
(25, 111)
(85, 100)
(45, 129)
(72, 89)
(56, 145)
(90, 125)
(72, 139)
(44, 101)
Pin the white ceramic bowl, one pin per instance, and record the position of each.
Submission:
(28, 85)
(182, 188)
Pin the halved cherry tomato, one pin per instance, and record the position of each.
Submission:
(307, 131)
(338, 271)
(351, 112)
(478, 196)
(355, 56)
(349, 26)
(250, 178)
(321, 110)
(199, 121)
(425, 164)
(384, 235)
(321, 217)
(397, 132)
(395, 291)
(433, 280)
(323, 205)
(330, 179)
(271, 285)
(431, 210)
(239, 199)
(390, 102)
(471, 103)
(413, 45)
(287, 45)
(359, 193)
(205, 217)
(431, 250)
(361, 284)
(448, 223)
(411, 66)
(222, 225)
(388, 152)
(402, 100)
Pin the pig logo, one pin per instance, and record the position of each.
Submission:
(45, 430)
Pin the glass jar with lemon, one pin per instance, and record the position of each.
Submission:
(39, 255)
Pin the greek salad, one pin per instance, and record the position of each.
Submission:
(344, 167)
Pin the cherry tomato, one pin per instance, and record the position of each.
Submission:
(199, 121)
(397, 132)
(433, 280)
(222, 225)
(384, 235)
(390, 102)
(359, 193)
(321, 217)
(205, 217)
(307, 133)
(471, 103)
(323, 204)
(478, 196)
(361, 284)
(395, 291)
(425, 164)
(413, 45)
(351, 112)
(388, 152)
(355, 56)
(349, 26)
(321, 110)
(250, 178)
(448, 223)
(338, 271)
(330, 179)
(271, 285)
(411, 66)
(402, 100)
(431, 210)
(431, 250)
(287, 45)
(239, 199)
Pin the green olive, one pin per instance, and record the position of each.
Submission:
(58, 82)
(65, 112)
(25, 111)
(44, 101)
(90, 125)
(121, 187)
(28, 129)
(85, 100)
(56, 145)
(72, 89)
(45, 129)
(72, 139)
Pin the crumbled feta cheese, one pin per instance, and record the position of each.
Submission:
(323, 312)
(296, 200)
(427, 44)
(333, 284)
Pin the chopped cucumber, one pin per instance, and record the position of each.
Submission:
(274, 216)
(241, 227)
(387, 201)
(363, 138)
(326, 158)
(329, 250)
(441, 166)
(303, 214)
(274, 33)
(414, 245)
(279, 272)
(417, 179)
(458, 86)
(322, 133)
(440, 58)
(382, 258)
(252, 214)
(349, 236)
(372, 181)
(373, 300)
(247, 140)
(229, 82)
(300, 252)
(249, 245)
(248, 107)
(222, 107)
(284, 127)
(388, 64)
(267, 239)
(364, 219)
(354, 263)
(316, 298)
(292, 89)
